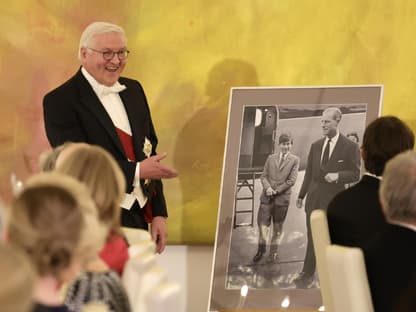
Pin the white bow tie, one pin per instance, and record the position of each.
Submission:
(116, 88)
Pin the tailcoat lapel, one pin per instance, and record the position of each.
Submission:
(318, 152)
(337, 149)
(90, 100)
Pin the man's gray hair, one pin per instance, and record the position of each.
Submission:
(335, 111)
(97, 28)
(398, 188)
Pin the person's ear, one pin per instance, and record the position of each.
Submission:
(83, 52)
(362, 153)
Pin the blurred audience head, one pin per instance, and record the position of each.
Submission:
(48, 159)
(397, 190)
(17, 280)
(97, 169)
(54, 221)
(384, 138)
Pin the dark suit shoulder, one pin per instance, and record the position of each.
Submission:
(357, 199)
(365, 185)
(131, 83)
(78, 80)
(318, 142)
(65, 88)
(355, 215)
(393, 243)
(134, 90)
(390, 261)
(347, 142)
(398, 233)
(316, 147)
(128, 80)
(61, 102)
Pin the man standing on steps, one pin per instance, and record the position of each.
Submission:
(279, 175)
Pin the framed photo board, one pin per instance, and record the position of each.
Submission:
(258, 120)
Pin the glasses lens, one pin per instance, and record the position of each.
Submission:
(122, 54)
(108, 55)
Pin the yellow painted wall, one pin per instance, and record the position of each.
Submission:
(187, 54)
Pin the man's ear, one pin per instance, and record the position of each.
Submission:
(83, 52)
(362, 153)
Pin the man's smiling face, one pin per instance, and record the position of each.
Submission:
(105, 72)
(329, 124)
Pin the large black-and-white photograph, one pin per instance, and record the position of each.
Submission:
(289, 151)
(293, 159)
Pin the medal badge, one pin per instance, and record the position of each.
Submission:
(147, 150)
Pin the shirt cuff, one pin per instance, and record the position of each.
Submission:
(136, 180)
(136, 194)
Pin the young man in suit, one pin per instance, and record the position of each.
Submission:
(333, 161)
(355, 215)
(99, 107)
(390, 257)
(279, 175)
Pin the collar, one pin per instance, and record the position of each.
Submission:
(403, 224)
(334, 139)
(284, 156)
(373, 175)
(100, 89)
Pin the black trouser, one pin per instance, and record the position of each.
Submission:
(133, 218)
(310, 263)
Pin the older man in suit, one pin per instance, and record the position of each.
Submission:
(390, 257)
(97, 106)
(279, 175)
(333, 161)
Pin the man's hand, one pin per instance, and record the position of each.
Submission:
(270, 191)
(299, 203)
(151, 168)
(331, 177)
(159, 230)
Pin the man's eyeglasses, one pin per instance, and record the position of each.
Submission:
(108, 54)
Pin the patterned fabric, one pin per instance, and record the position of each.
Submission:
(102, 287)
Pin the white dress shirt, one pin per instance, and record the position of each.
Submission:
(114, 106)
(334, 141)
